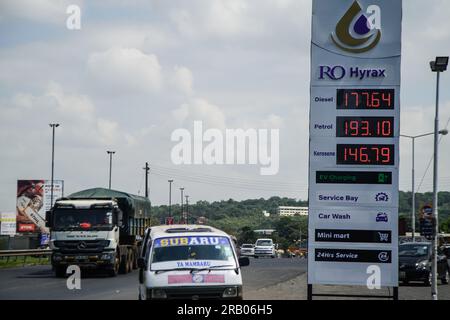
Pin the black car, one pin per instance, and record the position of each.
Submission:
(415, 263)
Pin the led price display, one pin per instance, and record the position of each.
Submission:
(365, 154)
(365, 99)
(365, 127)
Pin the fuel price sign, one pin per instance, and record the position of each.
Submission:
(354, 141)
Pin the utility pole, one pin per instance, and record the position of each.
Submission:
(110, 165)
(187, 209)
(170, 198)
(181, 215)
(147, 170)
(53, 126)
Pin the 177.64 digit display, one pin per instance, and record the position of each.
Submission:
(365, 99)
(365, 154)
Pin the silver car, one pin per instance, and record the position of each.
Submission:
(247, 250)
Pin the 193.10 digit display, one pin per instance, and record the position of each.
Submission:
(365, 127)
(365, 154)
(365, 99)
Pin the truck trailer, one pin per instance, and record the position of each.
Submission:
(97, 229)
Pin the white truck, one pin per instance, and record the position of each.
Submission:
(97, 228)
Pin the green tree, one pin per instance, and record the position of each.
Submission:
(247, 235)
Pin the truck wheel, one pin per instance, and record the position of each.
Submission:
(135, 266)
(124, 264)
(60, 271)
(114, 271)
(131, 260)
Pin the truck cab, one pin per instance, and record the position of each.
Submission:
(85, 233)
(95, 233)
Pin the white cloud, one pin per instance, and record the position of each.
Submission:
(183, 80)
(80, 124)
(200, 110)
(214, 18)
(43, 11)
(125, 69)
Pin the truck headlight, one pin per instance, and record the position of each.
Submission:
(231, 292)
(107, 256)
(105, 243)
(159, 294)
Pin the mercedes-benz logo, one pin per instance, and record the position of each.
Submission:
(82, 245)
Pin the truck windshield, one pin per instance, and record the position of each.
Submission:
(192, 252)
(82, 219)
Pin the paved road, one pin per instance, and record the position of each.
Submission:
(38, 282)
(263, 279)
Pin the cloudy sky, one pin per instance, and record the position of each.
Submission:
(139, 69)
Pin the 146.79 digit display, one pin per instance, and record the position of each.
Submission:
(365, 154)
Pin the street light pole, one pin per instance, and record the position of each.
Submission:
(434, 292)
(170, 198)
(110, 165)
(413, 202)
(53, 126)
(413, 218)
(187, 209)
(438, 66)
(181, 215)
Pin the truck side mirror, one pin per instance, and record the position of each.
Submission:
(48, 219)
(118, 218)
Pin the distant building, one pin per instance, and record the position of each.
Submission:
(266, 232)
(266, 214)
(202, 220)
(292, 211)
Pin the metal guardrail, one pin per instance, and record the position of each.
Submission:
(21, 253)
(40, 253)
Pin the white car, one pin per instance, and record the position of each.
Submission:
(265, 248)
(247, 250)
(189, 262)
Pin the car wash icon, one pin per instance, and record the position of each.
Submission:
(358, 31)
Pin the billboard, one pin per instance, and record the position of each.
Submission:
(33, 200)
(354, 141)
(7, 223)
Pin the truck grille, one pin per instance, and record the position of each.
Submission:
(77, 246)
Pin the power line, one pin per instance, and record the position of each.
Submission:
(222, 178)
(431, 160)
(233, 185)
